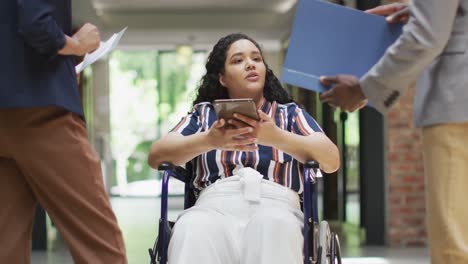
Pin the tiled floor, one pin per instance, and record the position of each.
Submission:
(138, 218)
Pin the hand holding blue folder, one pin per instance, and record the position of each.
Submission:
(329, 39)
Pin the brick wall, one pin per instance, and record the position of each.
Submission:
(406, 205)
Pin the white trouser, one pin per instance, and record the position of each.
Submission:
(240, 220)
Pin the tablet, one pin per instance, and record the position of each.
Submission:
(225, 108)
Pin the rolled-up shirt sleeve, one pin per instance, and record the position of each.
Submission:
(39, 28)
(191, 123)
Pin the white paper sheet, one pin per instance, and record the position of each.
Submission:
(103, 50)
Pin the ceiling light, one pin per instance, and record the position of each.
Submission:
(285, 6)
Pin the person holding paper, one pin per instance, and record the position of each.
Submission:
(45, 155)
(433, 47)
(247, 172)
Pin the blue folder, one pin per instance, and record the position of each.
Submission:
(329, 39)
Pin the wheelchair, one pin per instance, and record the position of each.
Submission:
(321, 245)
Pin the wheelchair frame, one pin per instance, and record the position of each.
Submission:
(321, 246)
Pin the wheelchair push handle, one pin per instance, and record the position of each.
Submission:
(312, 164)
(166, 166)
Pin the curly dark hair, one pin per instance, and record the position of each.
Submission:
(211, 89)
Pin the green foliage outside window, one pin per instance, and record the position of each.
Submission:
(150, 91)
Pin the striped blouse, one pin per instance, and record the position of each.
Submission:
(272, 163)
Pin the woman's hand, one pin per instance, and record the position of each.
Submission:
(222, 137)
(264, 130)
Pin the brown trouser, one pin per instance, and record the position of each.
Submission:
(446, 163)
(46, 158)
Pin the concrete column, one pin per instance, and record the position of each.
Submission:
(274, 59)
(101, 126)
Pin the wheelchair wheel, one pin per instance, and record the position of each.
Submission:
(335, 255)
(315, 246)
(324, 243)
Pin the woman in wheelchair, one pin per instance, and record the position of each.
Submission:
(248, 173)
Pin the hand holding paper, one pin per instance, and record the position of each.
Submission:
(88, 38)
(103, 50)
(395, 12)
(346, 91)
(329, 39)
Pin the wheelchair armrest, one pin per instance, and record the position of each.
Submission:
(176, 171)
(312, 164)
(166, 166)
